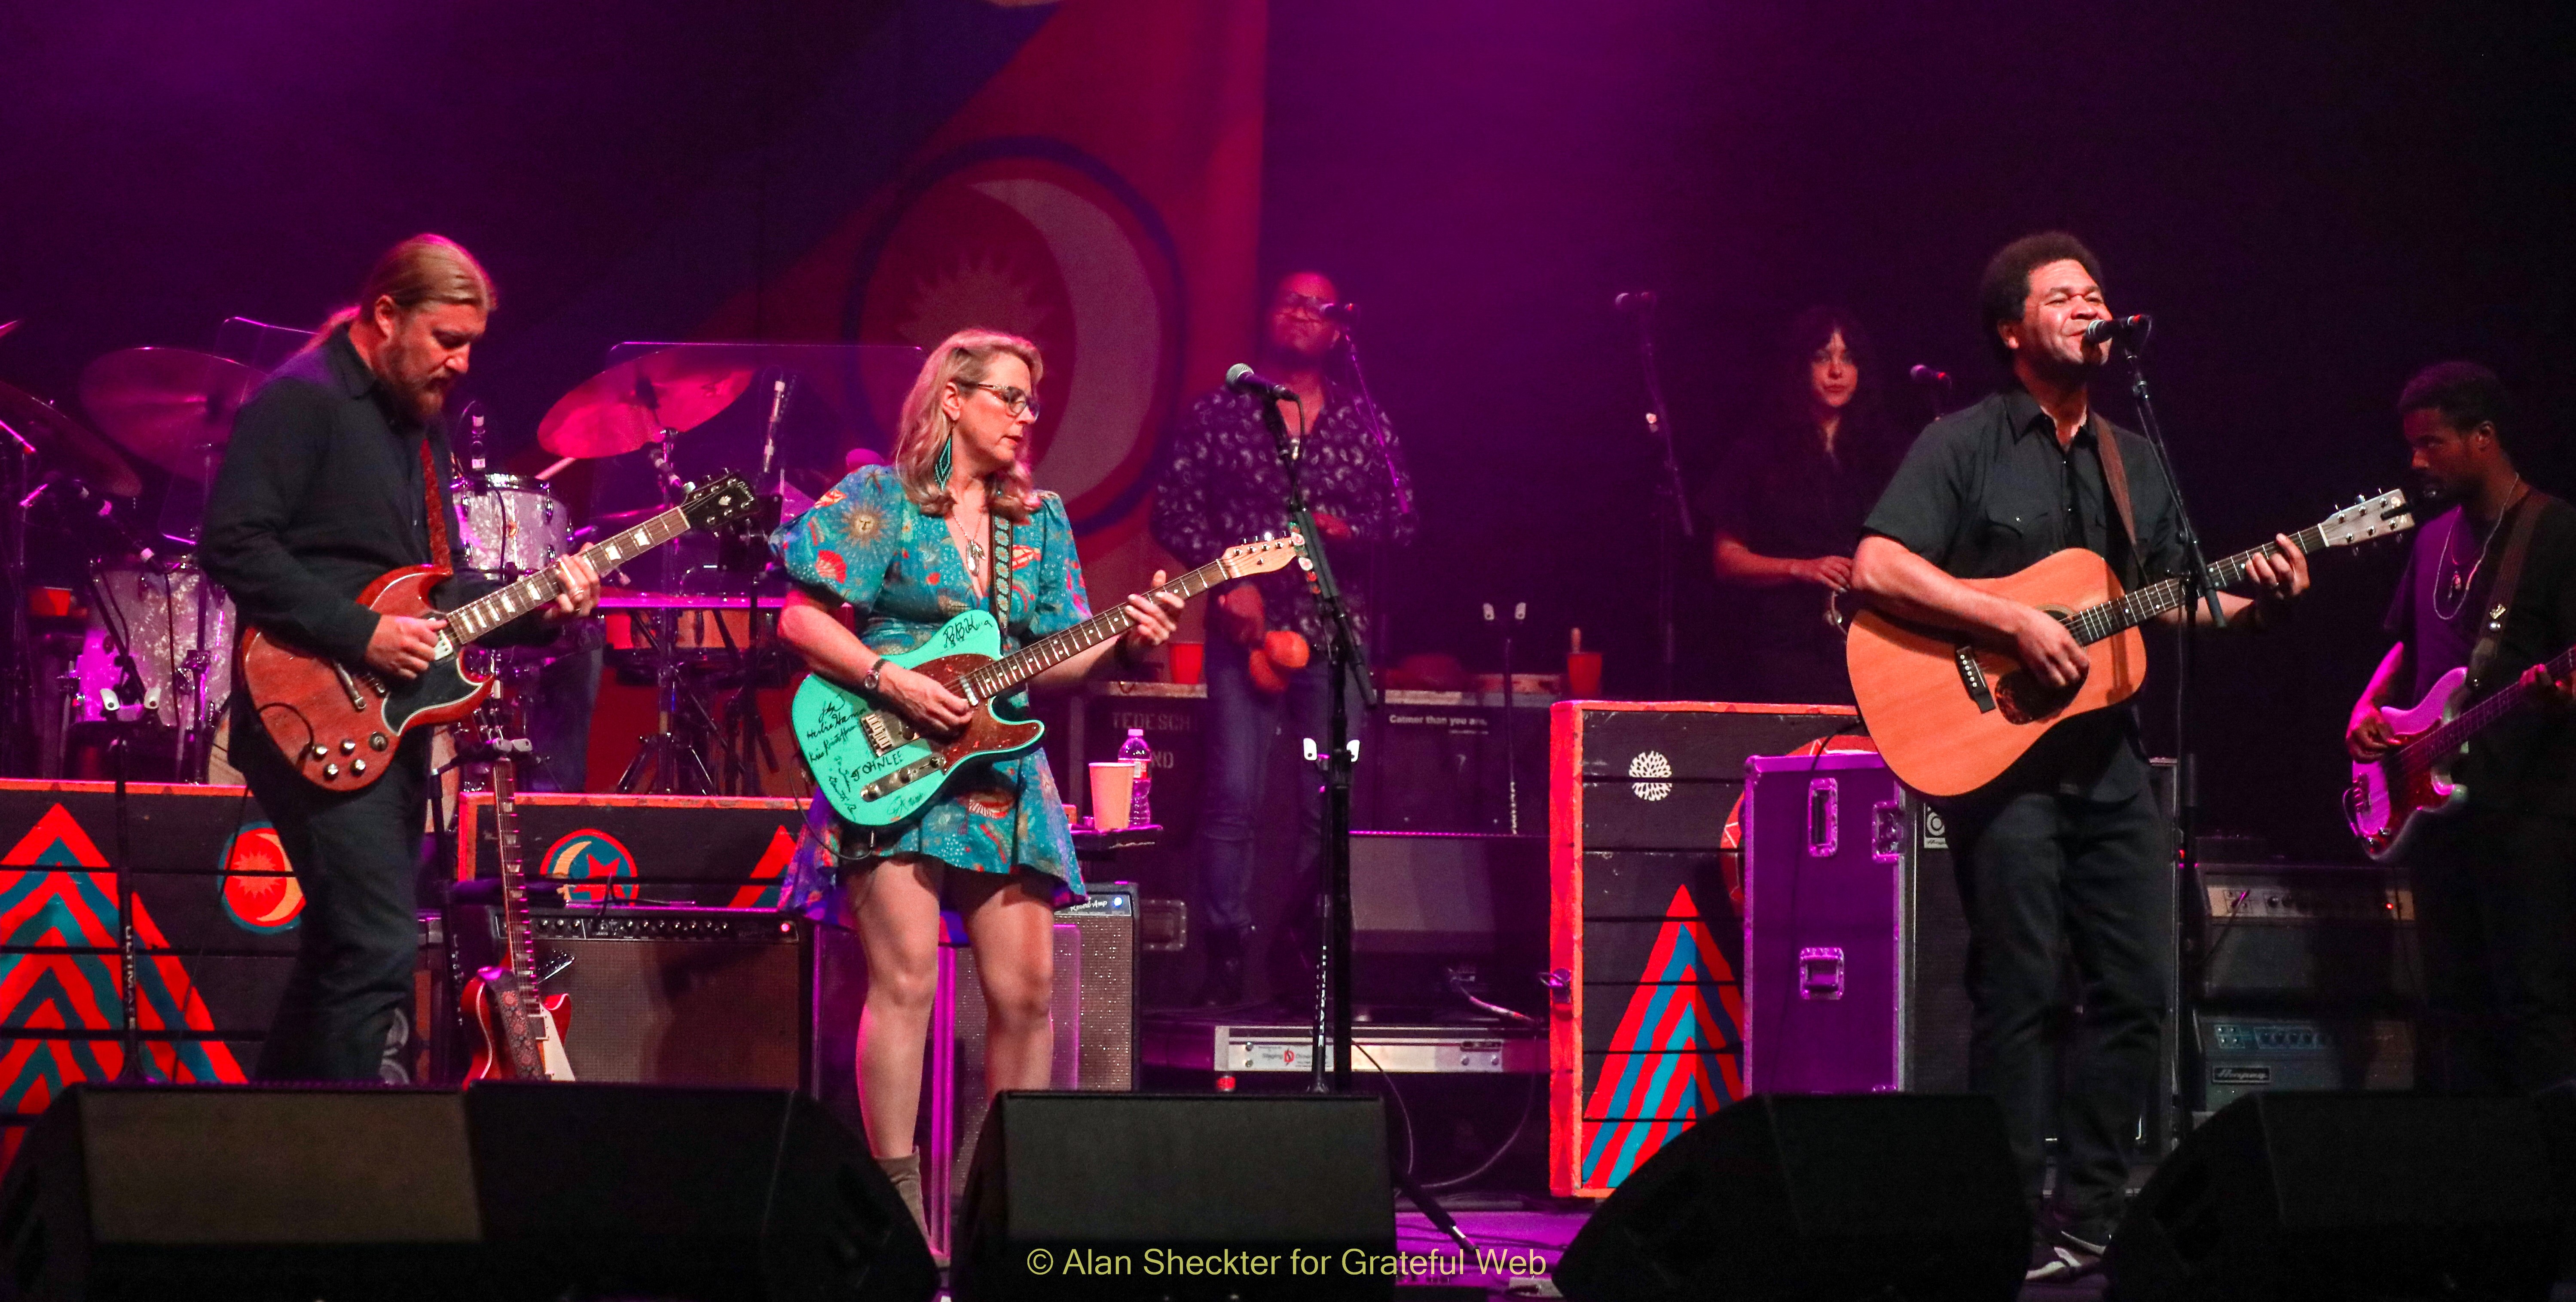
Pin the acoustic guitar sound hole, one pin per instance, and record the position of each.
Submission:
(2023, 698)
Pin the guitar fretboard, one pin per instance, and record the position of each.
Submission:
(2434, 748)
(2094, 623)
(479, 617)
(990, 680)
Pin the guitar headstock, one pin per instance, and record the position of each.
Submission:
(709, 505)
(1261, 556)
(2371, 518)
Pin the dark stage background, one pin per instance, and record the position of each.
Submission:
(2313, 198)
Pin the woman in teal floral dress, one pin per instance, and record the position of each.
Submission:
(911, 546)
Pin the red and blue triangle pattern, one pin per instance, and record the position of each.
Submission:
(1657, 1083)
(761, 892)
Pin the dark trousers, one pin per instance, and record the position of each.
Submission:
(2043, 877)
(2495, 908)
(1245, 728)
(356, 855)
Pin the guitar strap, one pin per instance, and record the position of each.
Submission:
(439, 557)
(2115, 476)
(2508, 581)
(997, 578)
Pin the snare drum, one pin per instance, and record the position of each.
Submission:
(179, 626)
(509, 524)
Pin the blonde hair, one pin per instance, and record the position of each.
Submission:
(420, 270)
(924, 430)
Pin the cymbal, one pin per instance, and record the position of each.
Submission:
(172, 407)
(629, 404)
(61, 438)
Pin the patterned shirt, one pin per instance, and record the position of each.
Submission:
(867, 544)
(1221, 485)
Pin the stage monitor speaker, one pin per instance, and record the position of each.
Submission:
(505, 1191)
(2282, 1197)
(1179, 1197)
(1787, 1196)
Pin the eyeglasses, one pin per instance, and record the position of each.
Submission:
(1302, 304)
(1014, 400)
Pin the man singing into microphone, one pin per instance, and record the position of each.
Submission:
(2067, 851)
(1221, 485)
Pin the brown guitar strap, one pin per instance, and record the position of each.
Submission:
(439, 557)
(2508, 580)
(2115, 476)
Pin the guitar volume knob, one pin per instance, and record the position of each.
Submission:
(358, 767)
(330, 770)
(321, 751)
(376, 741)
(348, 745)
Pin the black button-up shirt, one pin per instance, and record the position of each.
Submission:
(321, 493)
(1988, 491)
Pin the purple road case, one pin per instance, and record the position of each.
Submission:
(1828, 850)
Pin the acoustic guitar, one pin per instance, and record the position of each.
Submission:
(877, 770)
(340, 726)
(2410, 784)
(1951, 715)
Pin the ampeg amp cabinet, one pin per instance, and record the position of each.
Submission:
(1644, 941)
(1854, 961)
(2241, 1054)
(2307, 935)
(670, 995)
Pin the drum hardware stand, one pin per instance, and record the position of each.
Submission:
(745, 734)
(1347, 675)
(1511, 756)
(18, 709)
(666, 762)
(136, 1069)
(1672, 510)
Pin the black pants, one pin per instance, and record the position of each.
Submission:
(2044, 876)
(356, 856)
(2495, 908)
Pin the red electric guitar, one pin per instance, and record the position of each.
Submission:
(2410, 783)
(522, 1036)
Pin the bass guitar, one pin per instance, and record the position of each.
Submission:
(521, 1027)
(2410, 784)
(340, 725)
(1951, 715)
(877, 770)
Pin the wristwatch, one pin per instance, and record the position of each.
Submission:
(875, 672)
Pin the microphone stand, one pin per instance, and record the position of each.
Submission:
(2200, 588)
(1347, 674)
(1671, 510)
(1386, 455)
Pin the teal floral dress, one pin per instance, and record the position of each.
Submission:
(866, 543)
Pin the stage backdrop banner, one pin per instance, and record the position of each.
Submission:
(1100, 194)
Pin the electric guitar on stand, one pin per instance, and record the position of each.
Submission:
(521, 1027)
(341, 726)
(1951, 715)
(877, 770)
(2410, 784)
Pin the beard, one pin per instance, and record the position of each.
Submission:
(417, 394)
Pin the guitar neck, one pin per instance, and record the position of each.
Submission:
(478, 618)
(517, 944)
(2111, 618)
(1000, 676)
(2442, 742)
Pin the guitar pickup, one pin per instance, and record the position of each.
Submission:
(902, 777)
(1974, 676)
(885, 731)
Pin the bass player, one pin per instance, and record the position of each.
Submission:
(335, 474)
(2067, 847)
(2495, 884)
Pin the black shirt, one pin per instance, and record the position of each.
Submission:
(320, 493)
(1988, 491)
(1781, 494)
(2529, 761)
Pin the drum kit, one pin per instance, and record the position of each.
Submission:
(144, 641)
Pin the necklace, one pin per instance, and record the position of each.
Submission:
(2455, 583)
(967, 539)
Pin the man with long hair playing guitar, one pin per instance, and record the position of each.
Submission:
(2495, 878)
(336, 474)
(2068, 846)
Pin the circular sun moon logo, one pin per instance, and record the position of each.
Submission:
(591, 855)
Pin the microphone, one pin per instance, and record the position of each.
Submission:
(2130, 330)
(1641, 301)
(1926, 375)
(1339, 313)
(1241, 378)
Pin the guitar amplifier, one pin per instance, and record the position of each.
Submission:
(670, 996)
(2306, 935)
(2242, 1053)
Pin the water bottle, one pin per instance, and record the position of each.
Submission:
(1140, 811)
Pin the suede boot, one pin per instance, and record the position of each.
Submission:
(905, 1174)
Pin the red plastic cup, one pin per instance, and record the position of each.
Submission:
(1583, 675)
(1189, 661)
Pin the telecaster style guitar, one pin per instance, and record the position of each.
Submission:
(521, 1030)
(877, 770)
(1951, 716)
(2410, 785)
(340, 725)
